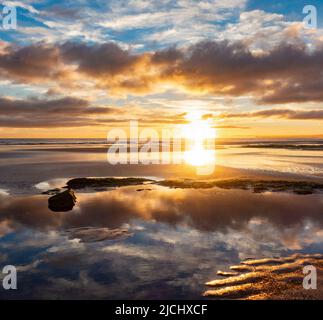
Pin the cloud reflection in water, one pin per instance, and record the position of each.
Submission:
(180, 238)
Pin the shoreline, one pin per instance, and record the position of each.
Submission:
(22, 178)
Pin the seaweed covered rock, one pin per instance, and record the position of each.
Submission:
(62, 202)
(258, 186)
(80, 183)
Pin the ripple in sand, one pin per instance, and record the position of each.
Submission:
(227, 273)
(274, 278)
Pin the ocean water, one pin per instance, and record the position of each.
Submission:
(22, 142)
(301, 156)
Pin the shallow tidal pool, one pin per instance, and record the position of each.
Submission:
(149, 242)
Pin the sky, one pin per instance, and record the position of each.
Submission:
(79, 68)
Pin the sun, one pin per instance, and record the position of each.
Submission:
(198, 128)
(200, 136)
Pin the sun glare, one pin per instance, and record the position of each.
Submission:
(198, 156)
(198, 128)
(200, 136)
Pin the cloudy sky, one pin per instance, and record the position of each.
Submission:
(78, 68)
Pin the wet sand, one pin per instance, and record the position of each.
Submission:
(273, 278)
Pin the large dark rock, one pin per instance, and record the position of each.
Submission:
(62, 202)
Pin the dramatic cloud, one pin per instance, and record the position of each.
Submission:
(303, 90)
(29, 64)
(287, 73)
(273, 77)
(278, 113)
(99, 60)
(74, 112)
(38, 106)
(50, 113)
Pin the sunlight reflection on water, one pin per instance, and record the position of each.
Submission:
(176, 239)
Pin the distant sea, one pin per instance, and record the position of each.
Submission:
(97, 141)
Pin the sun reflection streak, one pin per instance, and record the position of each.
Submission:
(198, 156)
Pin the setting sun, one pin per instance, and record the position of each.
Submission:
(198, 129)
(200, 140)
